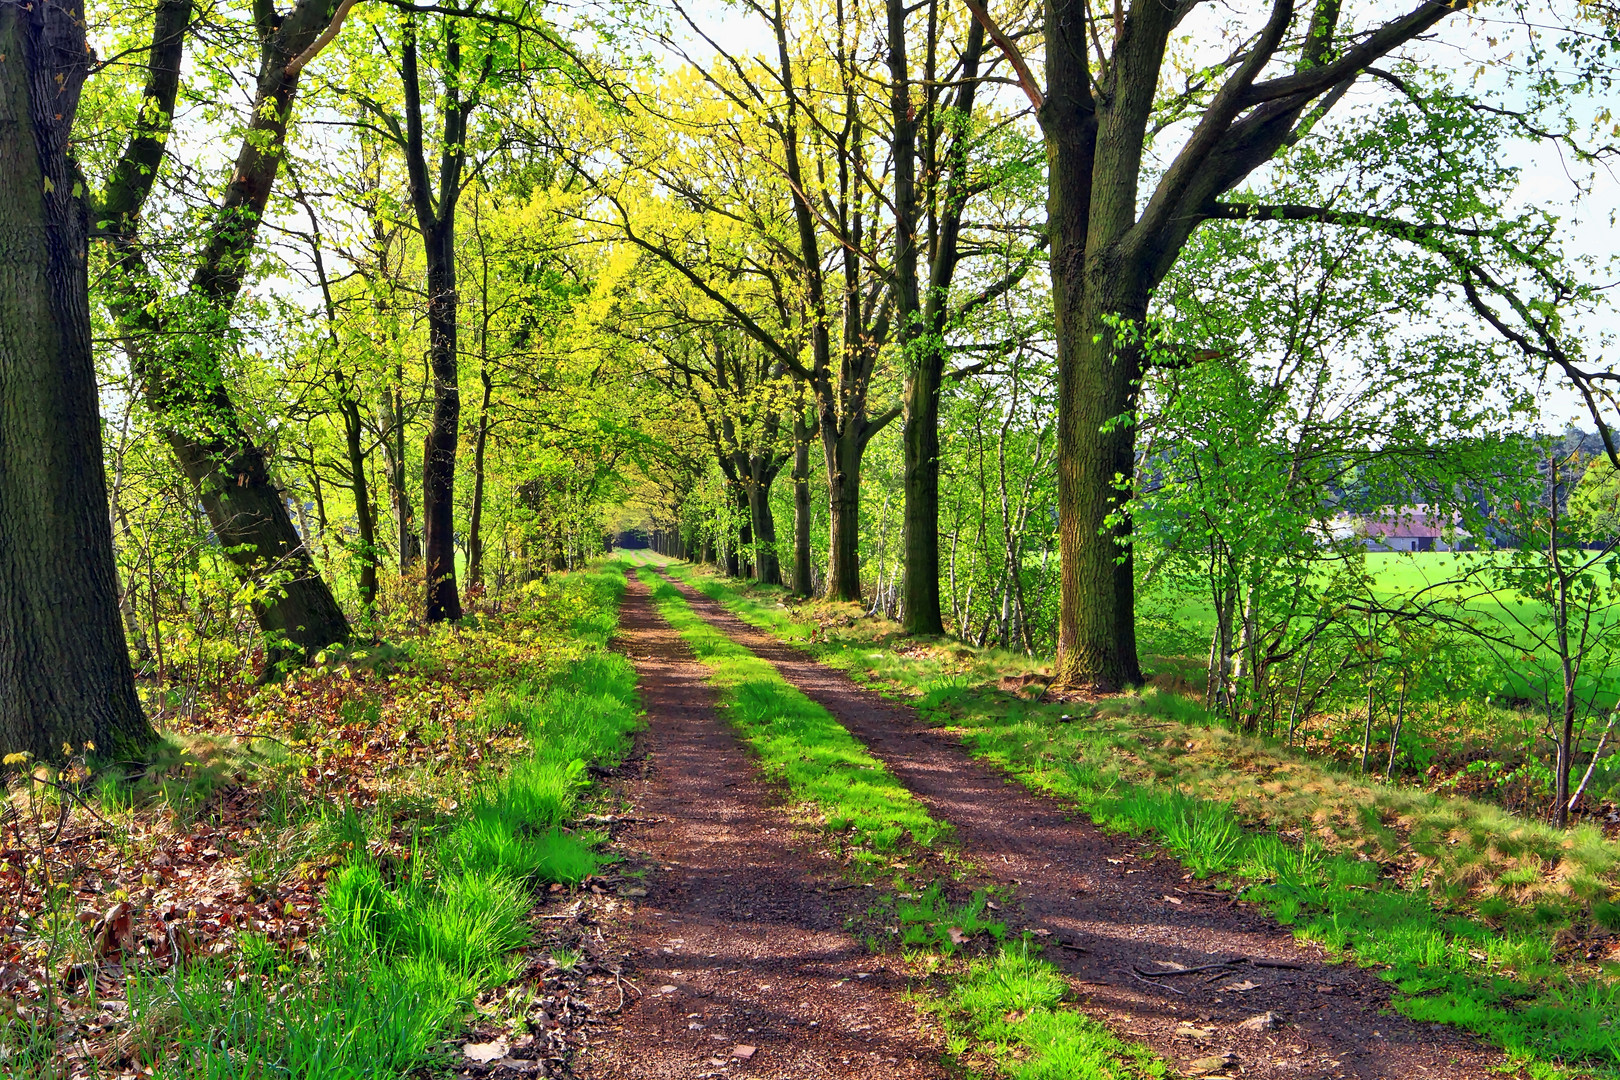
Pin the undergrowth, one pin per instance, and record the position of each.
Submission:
(1480, 919)
(1010, 1006)
(411, 934)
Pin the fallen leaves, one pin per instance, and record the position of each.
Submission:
(1266, 1021)
(1214, 1063)
(483, 1053)
(200, 856)
(114, 933)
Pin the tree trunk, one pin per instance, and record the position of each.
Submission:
(475, 526)
(768, 568)
(439, 450)
(393, 443)
(745, 530)
(365, 518)
(1097, 378)
(1096, 635)
(177, 351)
(65, 678)
(117, 520)
(923, 363)
(802, 573)
(843, 450)
(436, 220)
(925, 370)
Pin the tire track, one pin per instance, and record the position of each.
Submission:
(1114, 900)
(739, 940)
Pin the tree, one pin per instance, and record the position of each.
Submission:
(830, 224)
(177, 344)
(1562, 631)
(1295, 378)
(935, 177)
(65, 678)
(1110, 248)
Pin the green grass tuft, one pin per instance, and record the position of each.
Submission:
(401, 959)
(1014, 1001)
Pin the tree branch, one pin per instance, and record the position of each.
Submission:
(1010, 49)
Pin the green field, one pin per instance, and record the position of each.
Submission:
(1410, 576)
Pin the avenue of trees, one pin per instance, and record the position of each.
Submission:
(1075, 330)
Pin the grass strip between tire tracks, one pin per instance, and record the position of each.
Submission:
(1010, 1005)
(407, 949)
(1502, 982)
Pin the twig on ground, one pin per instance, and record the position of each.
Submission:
(1161, 986)
(1192, 970)
(251, 735)
(76, 797)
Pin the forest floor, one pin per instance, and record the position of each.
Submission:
(746, 973)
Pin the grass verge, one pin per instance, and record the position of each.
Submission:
(1480, 919)
(1010, 1007)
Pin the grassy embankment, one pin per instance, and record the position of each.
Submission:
(1008, 1005)
(430, 873)
(1491, 922)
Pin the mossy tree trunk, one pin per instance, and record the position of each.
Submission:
(1111, 247)
(176, 345)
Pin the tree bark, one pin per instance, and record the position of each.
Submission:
(745, 527)
(803, 585)
(65, 677)
(844, 451)
(1096, 454)
(365, 518)
(767, 567)
(436, 218)
(475, 526)
(920, 357)
(399, 495)
(439, 448)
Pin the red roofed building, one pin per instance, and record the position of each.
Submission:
(1411, 528)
